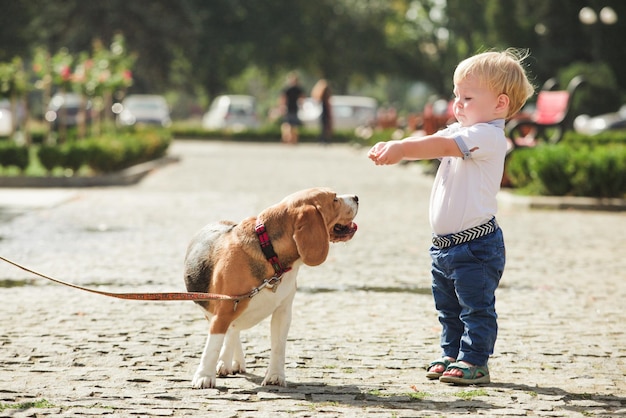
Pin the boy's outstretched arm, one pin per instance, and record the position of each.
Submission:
(414, 148)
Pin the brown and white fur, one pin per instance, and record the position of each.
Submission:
(226, 258)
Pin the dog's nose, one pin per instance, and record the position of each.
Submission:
(356, 199)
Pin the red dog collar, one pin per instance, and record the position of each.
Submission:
(268, 249)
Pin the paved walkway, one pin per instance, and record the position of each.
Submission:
(364, 323)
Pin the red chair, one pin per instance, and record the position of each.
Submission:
(550, 119)
(437, 115)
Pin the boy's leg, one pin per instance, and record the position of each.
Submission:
(448, 309)
(480, 264)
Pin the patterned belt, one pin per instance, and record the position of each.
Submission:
(445, 241)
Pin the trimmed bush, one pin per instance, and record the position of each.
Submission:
(266, 134)
(75, 154)
(50, 156)
(603, 138)
(107, 154)
(601, 172)
(551, 167)
(15, 155)
(593, 171)
(517, 168)
(101, 154)
(116, 152)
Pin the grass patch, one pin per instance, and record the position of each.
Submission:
(327, 404)
(417, 396)
(41, 404)
(8, 283)
(413, 396)
(468, 395)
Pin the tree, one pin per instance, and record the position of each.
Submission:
(152, 29)
(14, 86)
(199, 46)
(14, 30)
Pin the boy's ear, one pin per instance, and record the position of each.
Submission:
(503, 102)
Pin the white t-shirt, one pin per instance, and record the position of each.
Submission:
(465, 189)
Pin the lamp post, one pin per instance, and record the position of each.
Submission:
(589, 17)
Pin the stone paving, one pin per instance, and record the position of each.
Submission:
(364, 323)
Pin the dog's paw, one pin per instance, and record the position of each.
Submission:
(222, 370)
(274, 380)
(201, 381)
(236, 368)
(239, 368)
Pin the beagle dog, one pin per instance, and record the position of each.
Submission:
(258, 259)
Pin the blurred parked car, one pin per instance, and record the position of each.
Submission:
(233, 112)
(6, 118)
(348, 112)
(148, 109)
(587, 125)
(64, 108)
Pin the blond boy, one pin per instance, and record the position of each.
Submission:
(468, 253)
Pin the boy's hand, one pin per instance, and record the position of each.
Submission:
(386, 153)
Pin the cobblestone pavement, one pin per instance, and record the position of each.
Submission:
(364, 323)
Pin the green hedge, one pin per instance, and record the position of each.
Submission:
(102, 154)
(267, 134)
(14, 155)
(564, 169)
(603, 138)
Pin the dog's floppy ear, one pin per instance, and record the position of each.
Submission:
(311, 236)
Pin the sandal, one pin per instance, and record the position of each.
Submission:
(472, 375)
(439, 362)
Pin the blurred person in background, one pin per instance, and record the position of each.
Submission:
(291, 97)
(321, 93)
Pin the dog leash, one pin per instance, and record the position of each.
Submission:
(165, 296)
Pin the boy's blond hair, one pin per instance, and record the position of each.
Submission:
(502, 72)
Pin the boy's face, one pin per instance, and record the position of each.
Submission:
(475, 103)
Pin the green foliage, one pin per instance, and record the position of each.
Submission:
(50, 156)
(600, 93)
(203, 45)
(15, 155)
(107, 154)
(267, 134)
(551, 167)
(115, 152)
(601, 172)
(576, 139)
(593, 171)
(518, 167)
(75, 154)
(102, 154)
(13, 78)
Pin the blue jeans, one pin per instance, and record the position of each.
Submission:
(464, 281)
